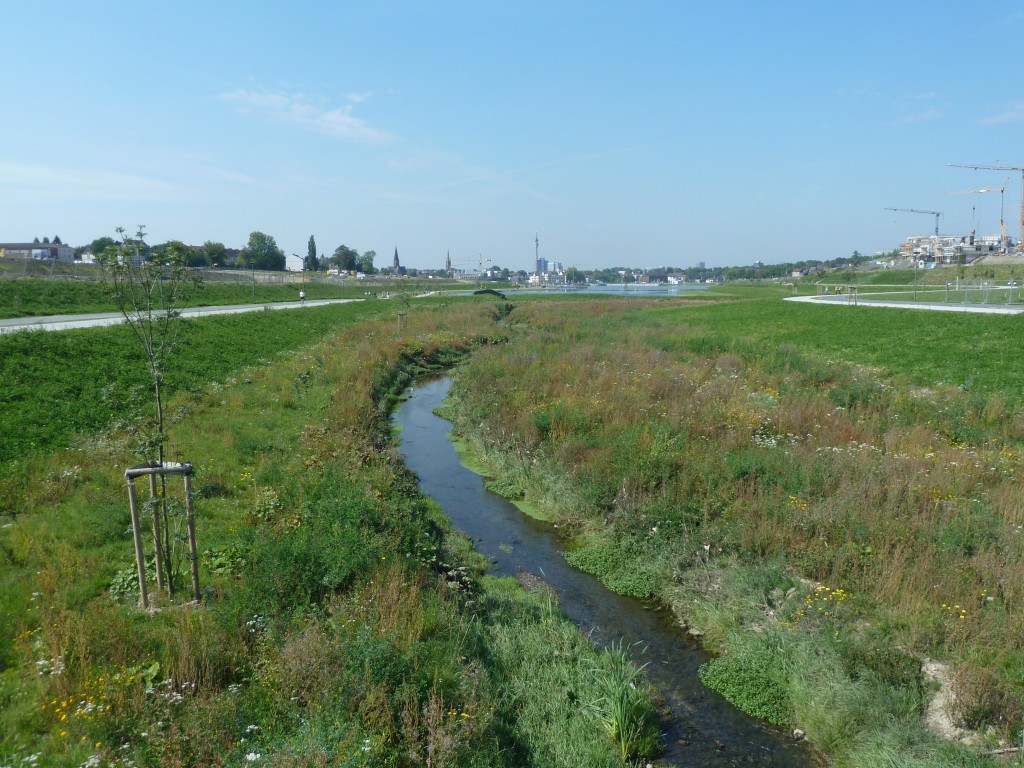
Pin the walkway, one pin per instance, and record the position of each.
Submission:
(66, 322)
(863, 301)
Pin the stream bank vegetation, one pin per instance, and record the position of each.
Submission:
(829, 498)
(342, 622)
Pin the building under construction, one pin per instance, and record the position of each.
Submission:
(951, 249)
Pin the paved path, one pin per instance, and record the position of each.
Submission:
(64, 322)
(847, 300)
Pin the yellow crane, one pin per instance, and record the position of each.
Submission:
(1020, 238)
(1002, 224)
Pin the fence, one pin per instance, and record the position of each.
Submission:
(991, 293)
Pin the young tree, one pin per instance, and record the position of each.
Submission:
(150, 293)
(312, 263)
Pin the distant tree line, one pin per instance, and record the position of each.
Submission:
(261, 252)
(756, 271)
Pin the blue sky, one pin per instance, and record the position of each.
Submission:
(639, 133)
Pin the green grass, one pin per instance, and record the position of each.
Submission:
(342, 622)
(827, 493)
(48, 402)
(59, 295)
(38, 297)
(929, 348)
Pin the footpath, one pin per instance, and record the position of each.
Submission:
(853, 300)
(66, 322)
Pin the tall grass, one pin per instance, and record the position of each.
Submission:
(875, 459)
(342, 623)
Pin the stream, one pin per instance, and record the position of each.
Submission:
(704, 729)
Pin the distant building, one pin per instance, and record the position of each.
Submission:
(40, 251)
(653, 276)
(950, 249)
(396, 268)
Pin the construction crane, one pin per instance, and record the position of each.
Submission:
(936, 214)
(1002, 223)
(1020, 238)
(480, 260)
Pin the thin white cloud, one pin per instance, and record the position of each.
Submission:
(924, 116)
(298, 109)
(51, 181)
(1013, 114)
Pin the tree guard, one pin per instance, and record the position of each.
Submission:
(151, 469)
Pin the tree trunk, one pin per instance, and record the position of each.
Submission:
(168, 558)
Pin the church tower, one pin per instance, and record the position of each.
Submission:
(448, 265)
(395, 267)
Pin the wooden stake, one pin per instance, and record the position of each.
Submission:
(192, 554)
(140, 557)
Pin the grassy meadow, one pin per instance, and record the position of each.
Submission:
(342, 622)
(829, 496)
(36, 296)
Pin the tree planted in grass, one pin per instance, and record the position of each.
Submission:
(149, 289)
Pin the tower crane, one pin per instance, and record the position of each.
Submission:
(1002, 223)
(936, 214)
(1020, 238)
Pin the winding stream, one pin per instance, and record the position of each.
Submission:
(704, 729)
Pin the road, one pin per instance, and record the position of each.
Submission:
(66, 322)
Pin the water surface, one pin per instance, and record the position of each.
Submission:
(704, 729)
